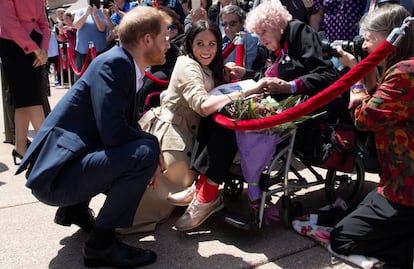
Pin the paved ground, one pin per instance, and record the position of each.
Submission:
(30, 239)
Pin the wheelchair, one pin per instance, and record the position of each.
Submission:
(283, 177)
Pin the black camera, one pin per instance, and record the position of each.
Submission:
(354, 47)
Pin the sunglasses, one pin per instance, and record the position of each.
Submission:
(231, 24)
(172, 27)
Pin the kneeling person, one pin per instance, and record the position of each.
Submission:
(91, 143)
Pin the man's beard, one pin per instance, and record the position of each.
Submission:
(156, 57)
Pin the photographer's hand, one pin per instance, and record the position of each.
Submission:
(346, 58)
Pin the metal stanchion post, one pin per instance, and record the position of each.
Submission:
(91, 44)
(68, 65)
(61, 66)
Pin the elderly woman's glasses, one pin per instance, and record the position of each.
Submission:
(231, 23)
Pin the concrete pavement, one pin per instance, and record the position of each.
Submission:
(30, 239)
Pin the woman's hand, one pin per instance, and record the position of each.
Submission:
(106, 13)
(308, 3)
(233, 71)
(198, 14)
(94, 11)
(274, 85)
(260, 87)
(346, 58)
(114, 8)
(40, 57)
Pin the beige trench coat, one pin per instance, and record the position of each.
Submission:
(175, 124)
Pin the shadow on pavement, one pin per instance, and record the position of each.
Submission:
(3, 167)
(216, 244)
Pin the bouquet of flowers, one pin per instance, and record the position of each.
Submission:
(260, 106)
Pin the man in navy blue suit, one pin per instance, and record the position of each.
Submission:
(91, 143)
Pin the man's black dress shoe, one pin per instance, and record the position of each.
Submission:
(118, 255)
(84, 218)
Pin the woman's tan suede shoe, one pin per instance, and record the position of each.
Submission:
(197, 213)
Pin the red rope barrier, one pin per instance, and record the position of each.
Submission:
(240, 55)
(149, 97)
(316, 101)
(93, 52)
(226, 52)
(57, 67)
(61, 58)
(159, 81)
(85, 64)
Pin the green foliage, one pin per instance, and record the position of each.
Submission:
(261, 106)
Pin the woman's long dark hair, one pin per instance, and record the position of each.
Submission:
(217, 65)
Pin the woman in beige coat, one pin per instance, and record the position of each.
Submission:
(176, 121)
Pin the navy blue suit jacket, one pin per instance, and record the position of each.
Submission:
(98, 111)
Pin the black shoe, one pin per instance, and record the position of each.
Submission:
(84, 218)
(118, 255)
(16, 157)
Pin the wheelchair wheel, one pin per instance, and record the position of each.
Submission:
(348, 186)
(233, 186)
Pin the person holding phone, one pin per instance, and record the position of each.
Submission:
(119, 8)
(198, 11)
(91, 26)
(213, 11)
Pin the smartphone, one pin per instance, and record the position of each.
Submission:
(195, 4)
(97, 3)
(105, 3)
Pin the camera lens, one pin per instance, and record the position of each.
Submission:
(354, 47)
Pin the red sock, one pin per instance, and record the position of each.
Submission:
(200, 182)
(207, 192)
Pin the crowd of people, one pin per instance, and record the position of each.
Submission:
(97, 140)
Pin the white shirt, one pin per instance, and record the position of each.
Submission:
(139, 75)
